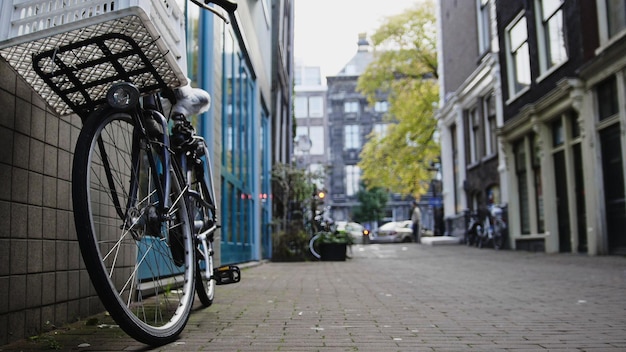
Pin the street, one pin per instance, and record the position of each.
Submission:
(403, 297)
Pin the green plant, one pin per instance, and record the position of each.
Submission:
(334, 237)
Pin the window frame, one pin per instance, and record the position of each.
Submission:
(352, 179)
(515, 87)
(316, 110)
(546, 66)
(483, 23)
(352, 136)
(473, 130)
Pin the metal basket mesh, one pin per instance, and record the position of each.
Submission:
(94, 79)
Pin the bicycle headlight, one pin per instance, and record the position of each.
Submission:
(123, 96)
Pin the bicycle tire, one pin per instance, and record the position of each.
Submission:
(205, 288)
(203, 212)
(143, 269)
(471, 236)
(498, 236)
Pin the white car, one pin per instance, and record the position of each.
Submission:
(393, 232)
(353, 228)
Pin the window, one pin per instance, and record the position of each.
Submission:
(237, 152)
(302, 142)
(352, 137)
(489, 108)
(353, 177)
(616, 16)
(380, 129)
(301, 108)
(473, 129)
(381, 106)
(316, 106)
(558, 136)
(483, 26)
(552, 45)
(518, 57)
(606, 95)
(351, 107)
(316, 134)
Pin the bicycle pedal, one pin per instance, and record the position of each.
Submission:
(227, 274)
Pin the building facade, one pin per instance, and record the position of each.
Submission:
(42, 276)
(469, 112)
(350, 120)
(311, 139)
(557, 73)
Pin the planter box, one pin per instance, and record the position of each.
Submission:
(333, 252)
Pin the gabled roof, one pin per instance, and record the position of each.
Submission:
(356, 66)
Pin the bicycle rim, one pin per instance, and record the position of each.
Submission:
(205, 287)
(141, 265)
(205, 218)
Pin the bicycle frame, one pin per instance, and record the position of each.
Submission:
(130, 166)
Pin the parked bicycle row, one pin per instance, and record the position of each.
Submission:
(487, 228)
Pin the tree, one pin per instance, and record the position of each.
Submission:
(405, 68)
(372, 202)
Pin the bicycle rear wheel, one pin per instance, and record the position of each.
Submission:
(498, 236)
(139, 256)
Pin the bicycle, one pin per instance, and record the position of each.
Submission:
(493, 228)
(474, 229)
(143, 194)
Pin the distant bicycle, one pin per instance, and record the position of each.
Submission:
(493, 229)
(474, 229)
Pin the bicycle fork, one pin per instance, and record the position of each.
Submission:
(204, 213)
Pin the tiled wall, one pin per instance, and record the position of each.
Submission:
(42, 277)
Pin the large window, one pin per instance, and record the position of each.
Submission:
(311, 106)
(474, 134)
(551, 40)
(483, 26)
(301, 109)
(237, 151)
(518, 57)
(606, 96)
(352, 137)
(351, 107)
(353, 177)
(316, 106)
(489, 112)
(616, 16)
(380, 129)
(381, 106)
(316, 134)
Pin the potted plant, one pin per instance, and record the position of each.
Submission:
(333, 245)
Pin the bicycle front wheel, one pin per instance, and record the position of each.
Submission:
(203, 212)
(138, 253)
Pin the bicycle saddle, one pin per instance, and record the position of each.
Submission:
(189, 101)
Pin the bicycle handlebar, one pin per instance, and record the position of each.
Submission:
(228, 5)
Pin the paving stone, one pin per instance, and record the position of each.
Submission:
(402, 298)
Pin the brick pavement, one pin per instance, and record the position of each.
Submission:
(401, 298)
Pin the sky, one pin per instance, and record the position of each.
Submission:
(326, 31)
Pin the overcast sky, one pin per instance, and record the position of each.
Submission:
(326, 31)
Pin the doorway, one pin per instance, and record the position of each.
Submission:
(614, 197)
(562, 203)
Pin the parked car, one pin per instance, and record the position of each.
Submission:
(393, 232)
(353, 228)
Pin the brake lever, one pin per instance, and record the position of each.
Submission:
(215, 11)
